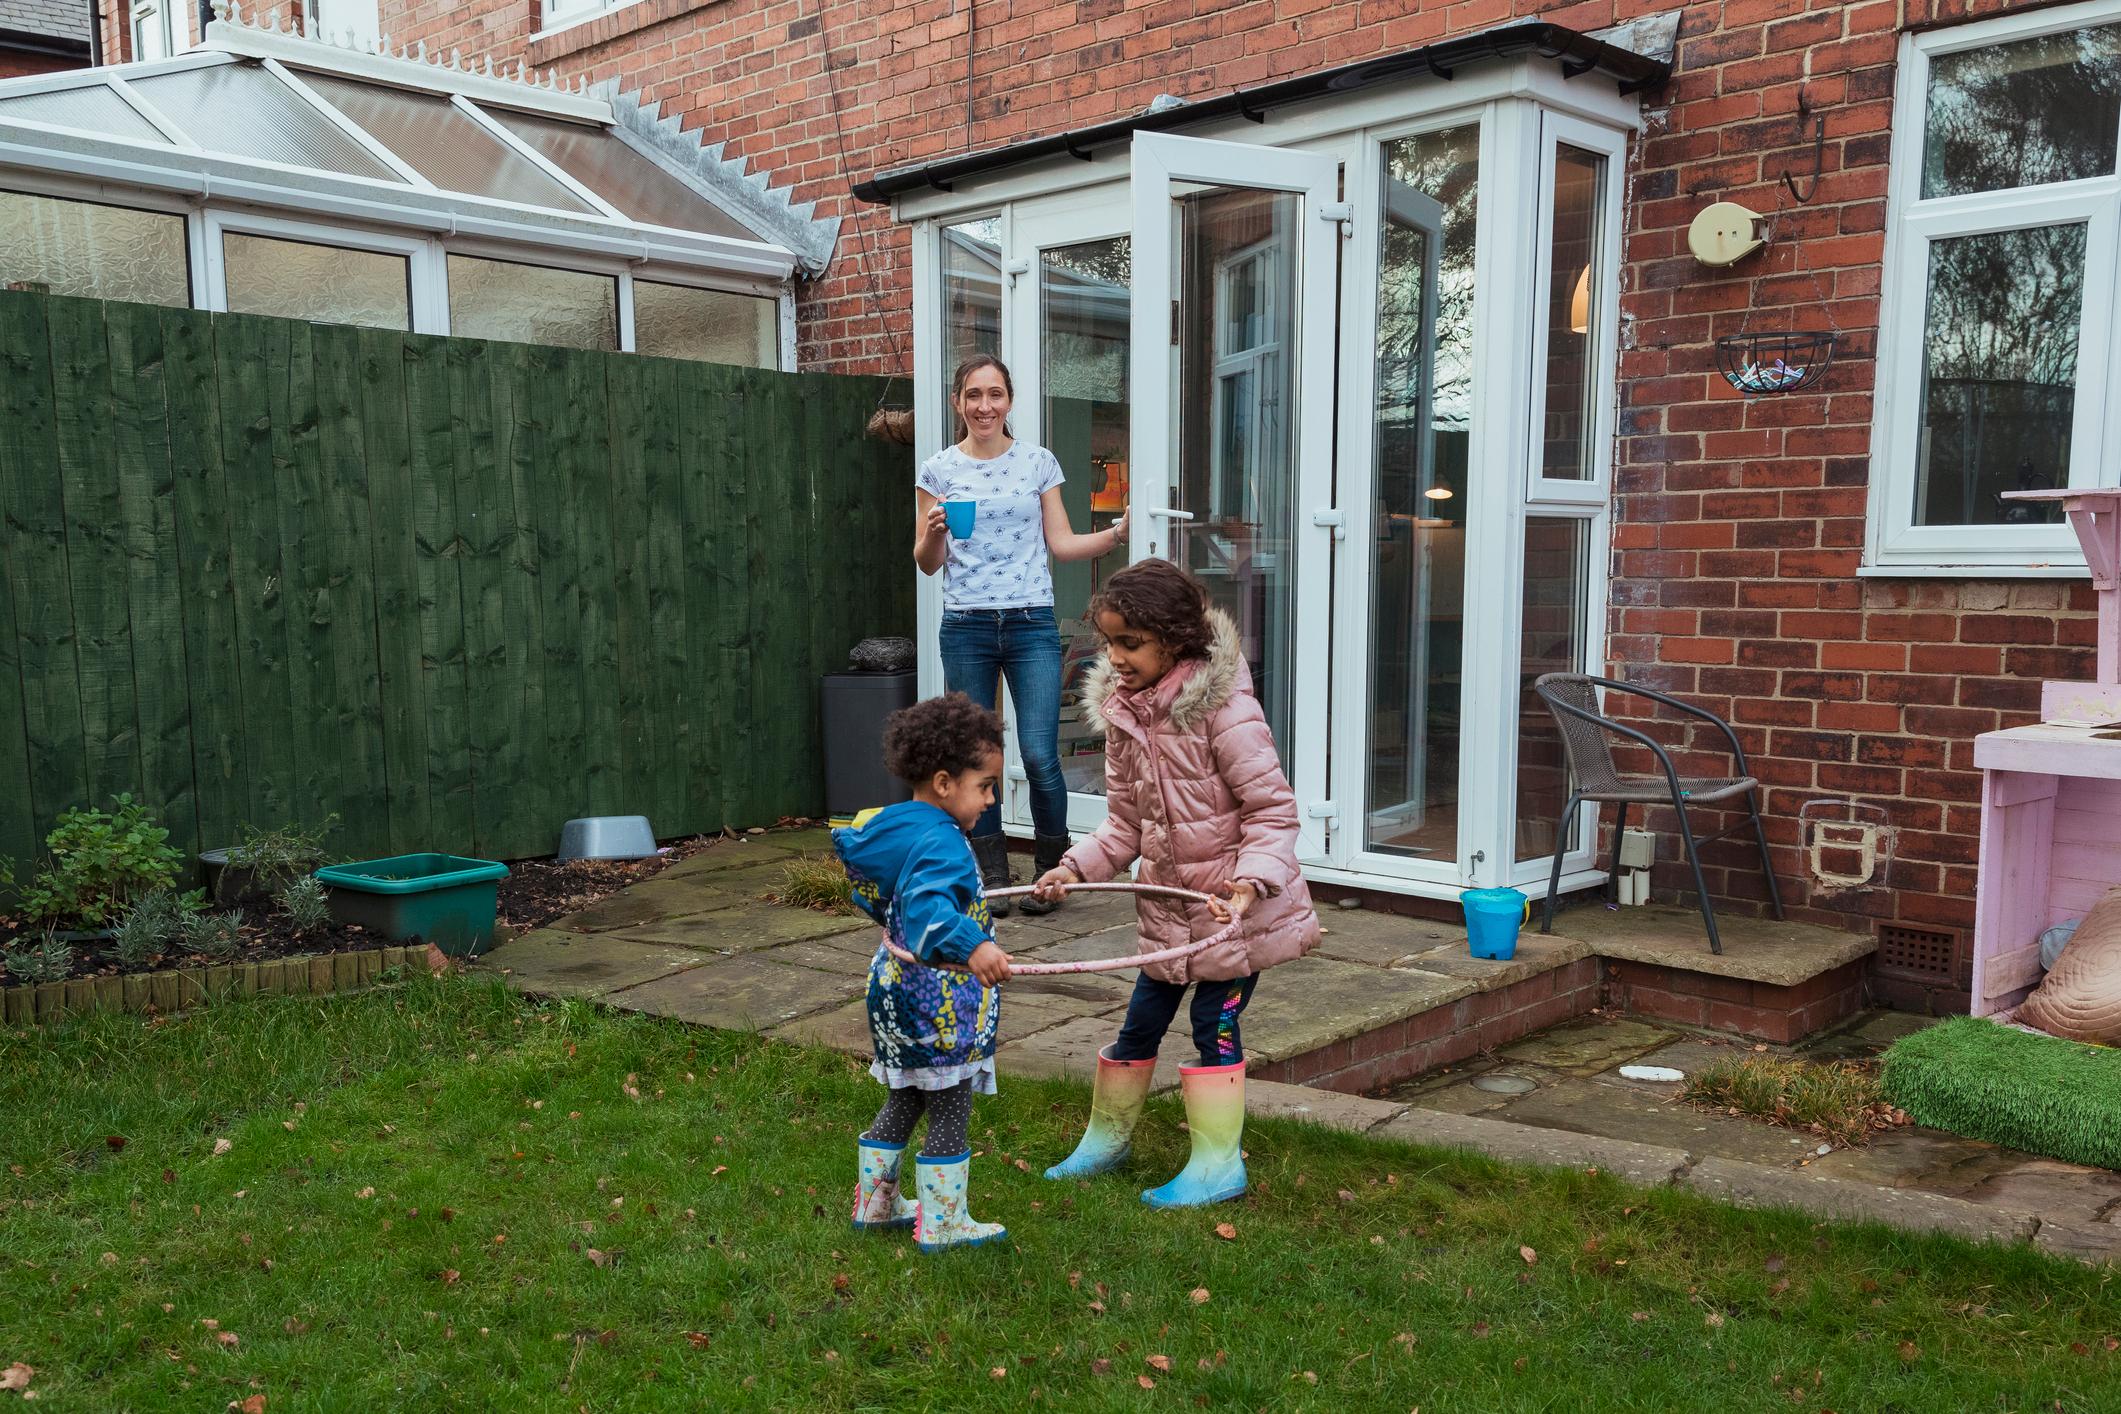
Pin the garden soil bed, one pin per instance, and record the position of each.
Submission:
(536, 892)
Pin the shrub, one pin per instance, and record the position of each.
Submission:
(99, 864)
(814, 882)
(156, 920)
(279, 857)
(303, 903)
(214, 934)
(47, 960)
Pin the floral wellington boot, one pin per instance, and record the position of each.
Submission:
(943, 1222)
(878, 1203)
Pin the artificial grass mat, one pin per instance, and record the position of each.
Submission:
(1973, 1077)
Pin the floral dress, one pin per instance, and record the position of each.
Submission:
(913, 872)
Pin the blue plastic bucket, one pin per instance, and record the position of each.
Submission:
(1493, 917)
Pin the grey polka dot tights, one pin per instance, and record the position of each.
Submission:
(949, 1119)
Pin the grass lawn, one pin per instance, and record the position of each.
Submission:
(436, 1196)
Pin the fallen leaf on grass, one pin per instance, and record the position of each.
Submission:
(253, 1405)
(1774, 1264)
(1713, 1320)
(999, 1372)
(1200, 1295)
(1531, 1258)
(1405, 1338)
(295, 1327)
(228, 1338)
(699, 1339)
(115, 1142)
(1639, 1316)
(1159, 1362)
(1100, 1367)
(1097, 1308)
(596, 1258)
(450, 1276)
(631, 1090)
(1145, 1382)
(16, 1376)
(719, 1168)
(366, 1193)
(1226, 1231)
(1909, 1351)
(222, 1146)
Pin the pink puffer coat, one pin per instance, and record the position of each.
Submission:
(1195, 791)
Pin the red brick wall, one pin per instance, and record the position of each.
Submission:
(15, 64)
(1738, 525)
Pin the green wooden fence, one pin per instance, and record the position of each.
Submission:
(257, 571)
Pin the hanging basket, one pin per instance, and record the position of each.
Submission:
(892, 425)
(1759, 364)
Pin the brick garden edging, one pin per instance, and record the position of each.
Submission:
(33, 1003)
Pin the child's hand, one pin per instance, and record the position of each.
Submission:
(1242, 897)
(937, 522)
(990, 964)
(1053, 884)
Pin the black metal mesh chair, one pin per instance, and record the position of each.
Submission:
(1587, 739)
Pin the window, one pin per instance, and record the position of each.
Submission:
(96, 252)
(972, 300)
(558, 14)
(323, 283)
(338, 19)
(532, 304)
(713, 326)
(151, 32)
(2000, 290)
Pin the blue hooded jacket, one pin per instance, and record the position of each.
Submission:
(913, 872)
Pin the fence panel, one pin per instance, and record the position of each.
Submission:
(255, 571)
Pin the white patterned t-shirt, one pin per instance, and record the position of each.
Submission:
(1003, 563)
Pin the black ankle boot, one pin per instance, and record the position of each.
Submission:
(1047, 851)
(992, 852)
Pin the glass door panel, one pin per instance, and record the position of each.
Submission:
(1236, 306)
(1424, 415)
(1556, 566)
(1236, 264)
(1084, 323)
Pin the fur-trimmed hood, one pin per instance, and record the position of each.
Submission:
(1208, 685)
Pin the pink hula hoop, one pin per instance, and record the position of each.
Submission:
(1097, 964)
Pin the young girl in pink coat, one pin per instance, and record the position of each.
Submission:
(1195, 792)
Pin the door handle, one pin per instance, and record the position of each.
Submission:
(1170, 513)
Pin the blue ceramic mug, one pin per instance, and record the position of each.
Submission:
(960, 515)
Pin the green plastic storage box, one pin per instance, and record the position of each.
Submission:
(442, 899)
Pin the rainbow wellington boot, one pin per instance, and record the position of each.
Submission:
(1215, 1115)
(878, 1202)
(1115, 1104)
(943, 1222)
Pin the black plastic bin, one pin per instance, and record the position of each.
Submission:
(853, 710)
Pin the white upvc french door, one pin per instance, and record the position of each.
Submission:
(1235, 276)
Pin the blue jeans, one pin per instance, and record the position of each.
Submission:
(981, 647)
(1214, 1012)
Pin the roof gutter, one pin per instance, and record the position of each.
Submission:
(1576, 52)
(51, 46)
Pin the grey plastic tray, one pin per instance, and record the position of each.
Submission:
(607, 837)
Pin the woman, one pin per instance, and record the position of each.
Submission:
(998, 595)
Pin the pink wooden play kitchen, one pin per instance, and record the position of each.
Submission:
(2051, 793)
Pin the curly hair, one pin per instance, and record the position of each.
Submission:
(951, 733)
(1158, 597)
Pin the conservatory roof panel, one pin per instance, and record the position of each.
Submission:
(243, 110)
(276, 119)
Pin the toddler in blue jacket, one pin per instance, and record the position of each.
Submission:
(933, 1026)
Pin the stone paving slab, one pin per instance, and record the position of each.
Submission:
(551, 963)
(1534, 955)
(751, 851)
(1589, 1108)
(652, 900)
(746, 993)
(751, 929)
(1586, 1047)
(1758, 1186)
(844, 1028)
(2095, 1243)
(1382, 939)
(1754, 949)
(1650, 1165)
(1070, 1050)
(1309, 1004)
(1330, 1108)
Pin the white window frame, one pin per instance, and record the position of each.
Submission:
(430, 313)
(153, 13)
(337, 19)
(1895, 545)
(554, 16)
(1558, 130)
